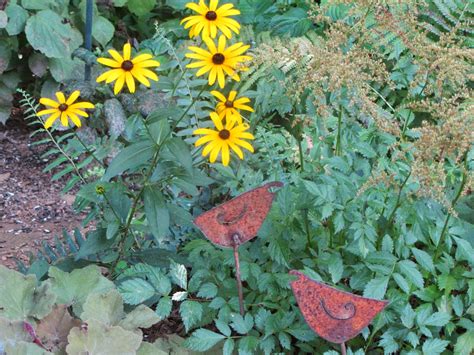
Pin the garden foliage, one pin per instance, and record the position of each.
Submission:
(362, 109)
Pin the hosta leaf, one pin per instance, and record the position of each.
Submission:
(17, 17)
(203, 340)
(47, 33)
(22, 298)
(97, 338)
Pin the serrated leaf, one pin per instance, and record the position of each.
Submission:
(465, 344)
(207, 290)
(401, 282)
(179, 296)
(179, 275)
(136, 291)
(242, 325)
(229, 346)
(203, 340)
(376, 288)
(409, 269)
(191, 313)
(336, 268)
(424, 259)
(163, 309)
(437, 319)
(434, 346)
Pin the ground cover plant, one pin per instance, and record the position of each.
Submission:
(363, 110)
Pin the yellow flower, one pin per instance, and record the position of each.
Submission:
(126, 69)
(228, 107)
(211, 18)
(224, 139)
(65, 109)
(218, 61)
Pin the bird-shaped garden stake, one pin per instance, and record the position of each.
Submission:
(236, 222)
(334, 315)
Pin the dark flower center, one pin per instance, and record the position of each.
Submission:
(218, 58)
(224, 134)
(229, 104)
(127, 65)
(211, 15)
(62, 107)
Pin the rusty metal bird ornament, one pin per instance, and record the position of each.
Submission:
(334, 315)
(237, 221)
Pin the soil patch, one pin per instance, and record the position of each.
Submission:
(32, 208)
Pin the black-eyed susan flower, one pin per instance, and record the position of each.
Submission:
(228, 106)
(218, 61)
(211, 19)
(224, 139)
(64, 109)
(126, 69)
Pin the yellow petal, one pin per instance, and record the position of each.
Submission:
(48, 102)
(244, 144)
(215, 152)
(221, 44)
(207, 149)
(46, 112)
(75, 119)
(109, 62)
(204, 140)
(79, 105)
(64, 119)
(61, 98)
(237, 150)
(49, 122)
(213, 75)
(232, 95)
(130, 82)
(220, 77)
(204, 70)
(116, 55)
(119, 84)
(73, 97)
(195, 7)
(141, 58)
(210, 44)
(203, 131)
(148, 64)
(149, 74)
(225, 154)
(213, 5)
(78, 112)
(218, 95)
(127, 51)
(217, 121)
(140, 77)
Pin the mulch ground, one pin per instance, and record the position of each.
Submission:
(32, 208)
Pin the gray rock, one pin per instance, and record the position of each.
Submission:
(115, 117)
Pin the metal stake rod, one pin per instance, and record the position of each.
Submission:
(88, 39)
(343, 348)
(236, 239)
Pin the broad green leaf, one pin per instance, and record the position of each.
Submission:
(242, 325)
(409, 269)
(17, 17)
(141, 7)
(437, 319)
(23, 348)
(203, 340)
(21, 297)
(207, 290)
(156, 212)
(140, 317)
(191, 314)
(179, 275)
(136, 291)
(98, 338)
(106, 308)
(229, 346)
(102, 30)
(74, 288)
(12, 331)
(96, 242)
(130, 158)
(163, 309)
(47, 33)
(180, 150)
(336, 268)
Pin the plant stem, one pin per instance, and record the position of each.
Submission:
(343, 349)
(238, 278)
(397, 204)
(90, 152)
(453, 203)
(338, 139)
(300, 148)
(148, 175)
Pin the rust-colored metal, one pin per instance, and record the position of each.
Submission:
(242, 217)
(335, 315)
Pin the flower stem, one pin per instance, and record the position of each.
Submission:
(339, 128)
(90, 152)
(397, 204)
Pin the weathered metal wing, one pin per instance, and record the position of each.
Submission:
(335, 315)
(242, 217)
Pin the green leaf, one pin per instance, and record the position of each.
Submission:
(140, 317)
(163, 309)
(136, 291)
(141, 7)
(22, 298)
(336, 267)
(47, 33)
(203, 340)
(376, 288)
(17, 17)
(3, 19)
(409, 269)
(23, 347)
(465, 344)
(98, 338)
(106, 308)
(434, 346)
(191, 313)
(130, 158)
(74, 288)
(229, 346)
(180, 150)
(102, 30)
(96, 242)
(437, 319)
(179, 275)
(424, 259)
(242, 325)
(156, 212)
(207, 290)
